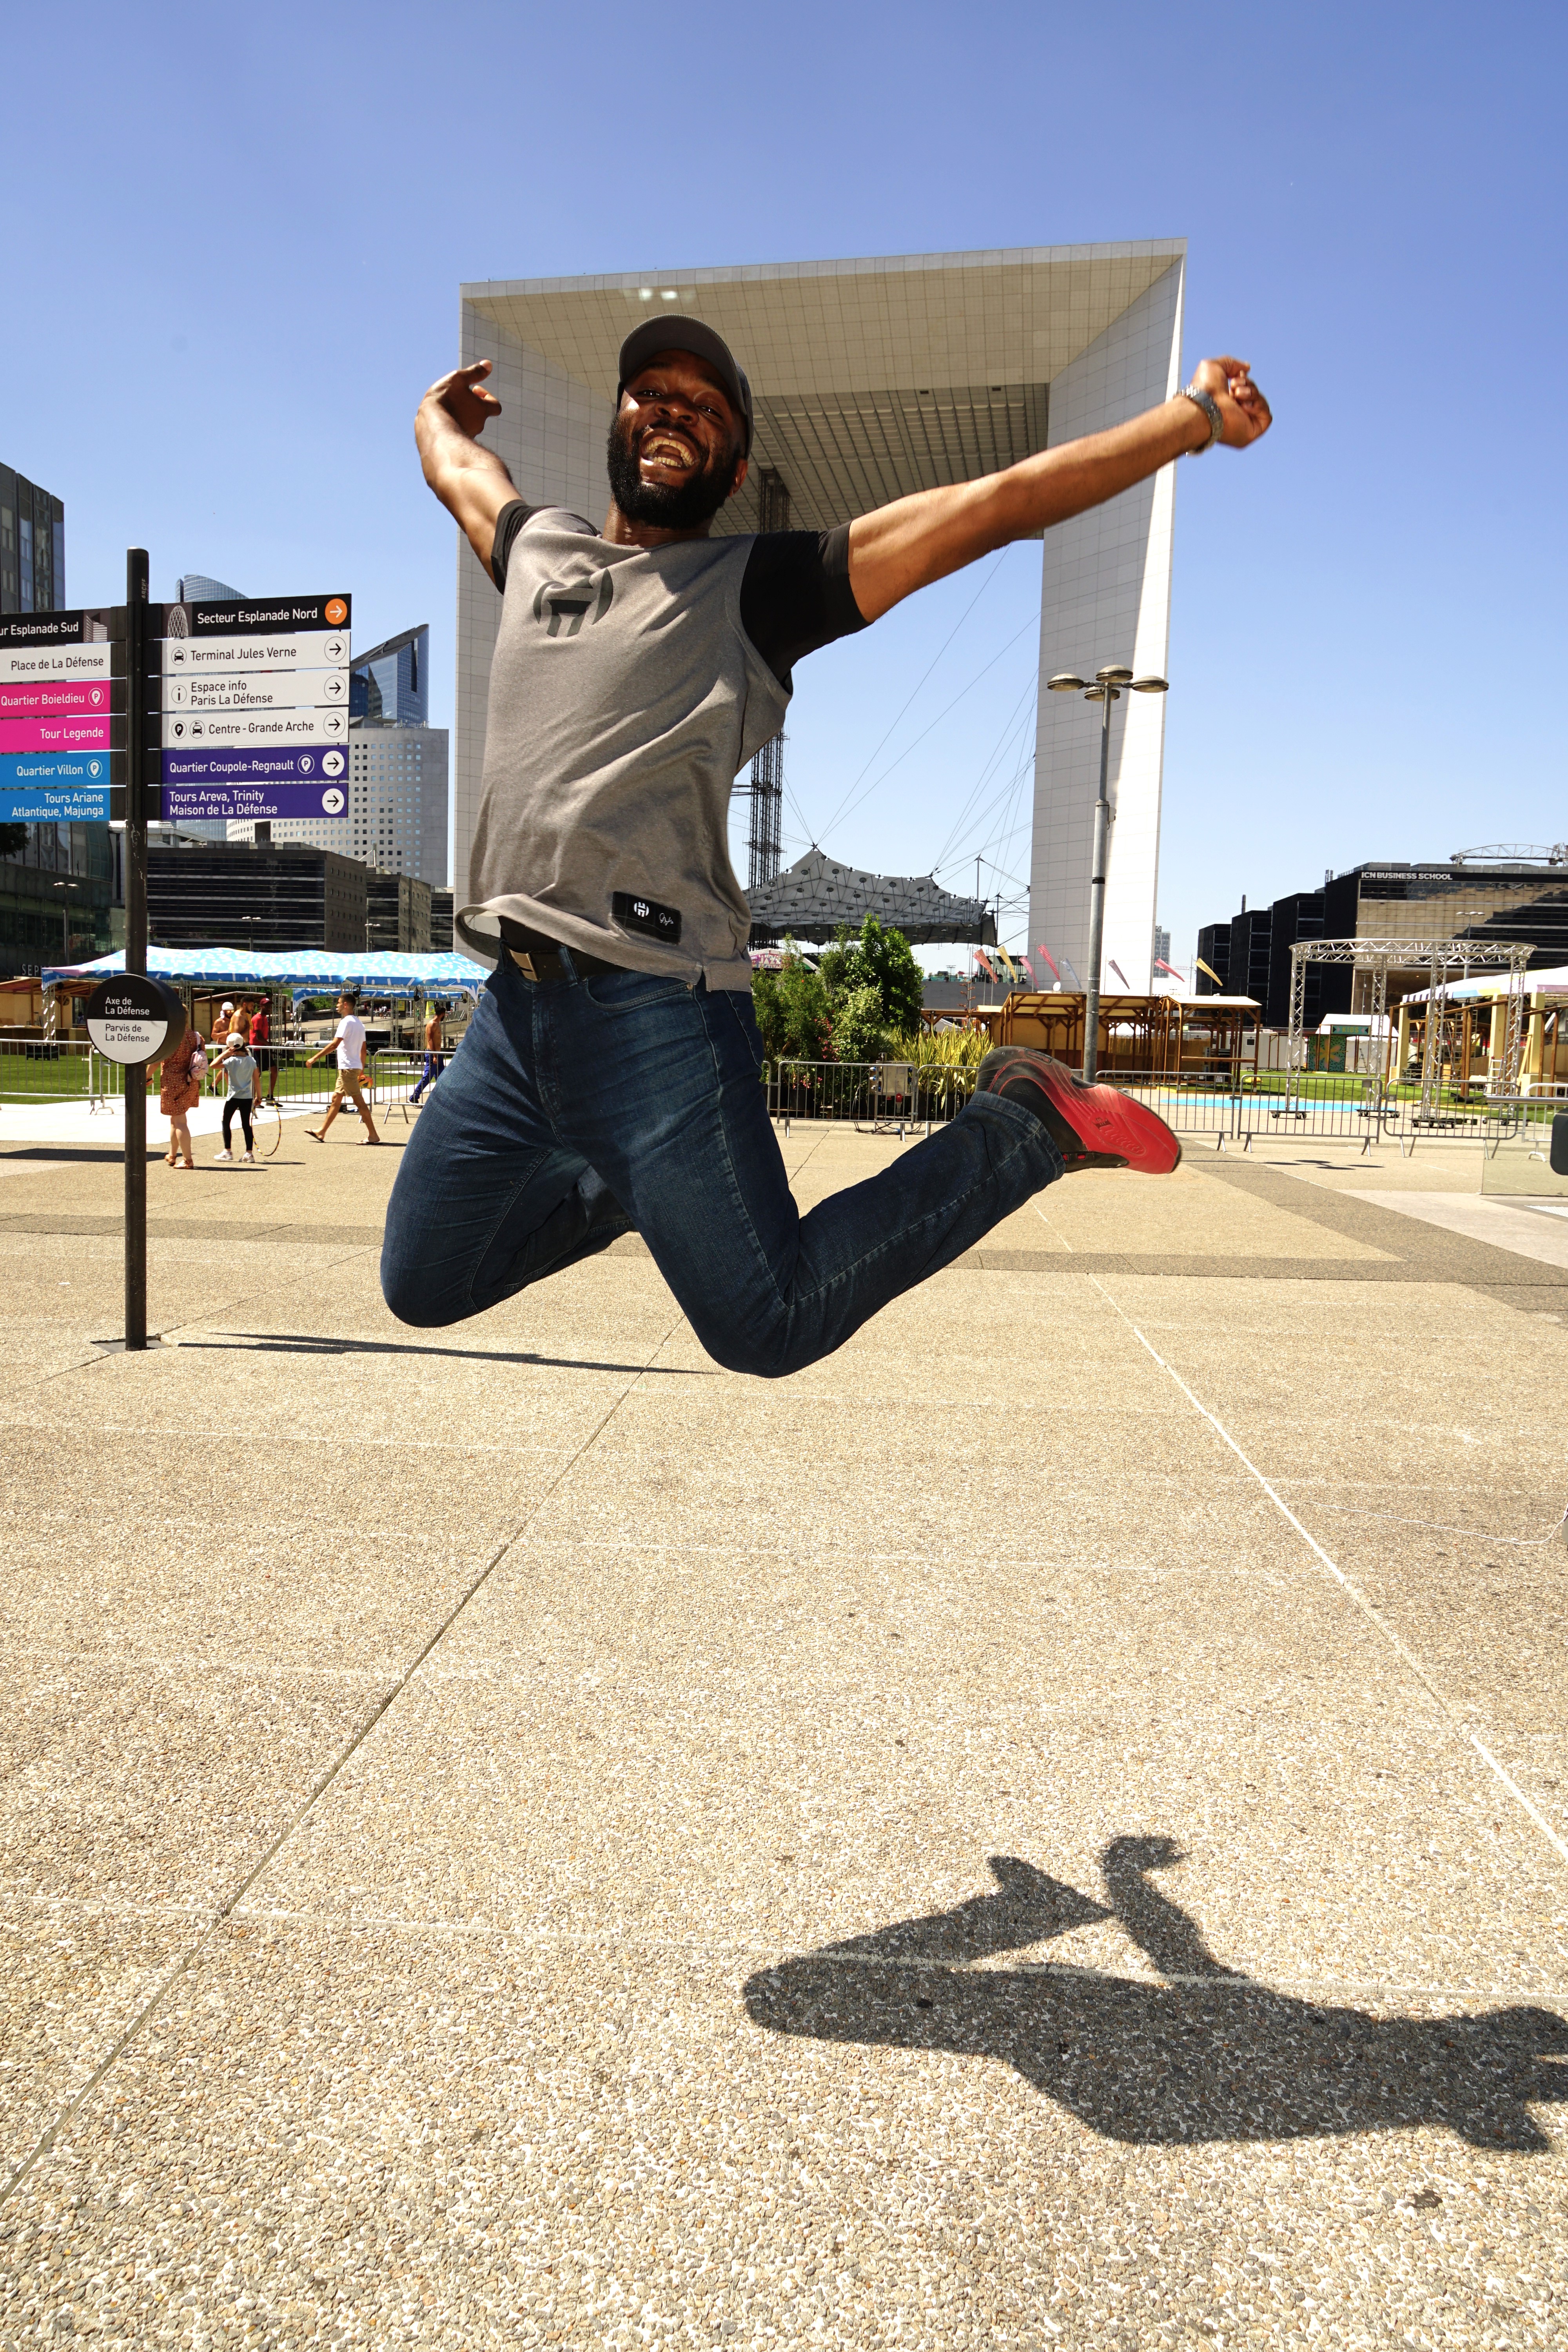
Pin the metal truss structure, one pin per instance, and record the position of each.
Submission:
(765, 843)
(1443, 959)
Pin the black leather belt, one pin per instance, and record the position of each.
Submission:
(539, 957)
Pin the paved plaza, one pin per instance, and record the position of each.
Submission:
(1047, 1829)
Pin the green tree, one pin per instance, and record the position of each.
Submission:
(13, 840)
(793, 1012)
(879, 959)
(859, 1030)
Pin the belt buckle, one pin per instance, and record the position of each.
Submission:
(524, 962)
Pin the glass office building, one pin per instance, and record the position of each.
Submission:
(56, 881)
(389, 686)
(399, 792)
(32, 546)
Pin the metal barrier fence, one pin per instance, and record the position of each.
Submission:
(40, 1070)
(893, 1098)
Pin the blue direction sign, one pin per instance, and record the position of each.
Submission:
(312, 784)
(54, 787)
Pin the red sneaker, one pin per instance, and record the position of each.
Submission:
(1091, 1126)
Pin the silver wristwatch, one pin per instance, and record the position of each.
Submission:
(1210, 406)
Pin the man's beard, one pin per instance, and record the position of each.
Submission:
(674, 506)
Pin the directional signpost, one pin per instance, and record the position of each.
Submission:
(173, 711)
(56, 700)
(254, 708)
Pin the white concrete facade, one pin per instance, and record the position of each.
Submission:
(398, 798)
(872, 379)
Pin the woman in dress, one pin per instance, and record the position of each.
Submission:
(179, 1093)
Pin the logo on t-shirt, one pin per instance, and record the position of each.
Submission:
(587, 599)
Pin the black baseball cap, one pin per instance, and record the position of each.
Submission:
(665, 334)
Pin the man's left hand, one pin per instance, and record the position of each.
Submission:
(1244, 412)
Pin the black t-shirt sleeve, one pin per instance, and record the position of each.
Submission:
(796, 595)
(508, 522)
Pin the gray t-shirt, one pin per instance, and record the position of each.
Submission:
(630, 686)
(239, 1073)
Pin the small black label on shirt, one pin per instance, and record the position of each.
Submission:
(646, 915)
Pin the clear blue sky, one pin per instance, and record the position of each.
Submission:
(234, 240)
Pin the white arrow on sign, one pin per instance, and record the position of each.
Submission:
(209, 656)
(255, 730)
(277, 689)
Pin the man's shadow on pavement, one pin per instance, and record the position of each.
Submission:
(1210, 2055)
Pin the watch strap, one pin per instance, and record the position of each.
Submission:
(1210, 407)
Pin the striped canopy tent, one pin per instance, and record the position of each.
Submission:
(386, 973)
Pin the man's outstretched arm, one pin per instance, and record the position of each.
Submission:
(472, 483)
(907, 545)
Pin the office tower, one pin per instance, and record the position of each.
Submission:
(32, 546)
(196, 588)
(56, 888)
(389, 686)
(398, 792)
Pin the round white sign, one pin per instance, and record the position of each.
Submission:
(333, 801)
(131, 1019)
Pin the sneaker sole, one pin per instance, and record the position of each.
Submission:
(1103, 1117)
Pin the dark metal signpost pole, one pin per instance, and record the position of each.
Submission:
(1108, 695)
(136, 939)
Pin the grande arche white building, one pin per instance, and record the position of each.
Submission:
(872, 379)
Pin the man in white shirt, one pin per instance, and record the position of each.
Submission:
(348, 1039)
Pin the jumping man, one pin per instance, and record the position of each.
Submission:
(609, 1081)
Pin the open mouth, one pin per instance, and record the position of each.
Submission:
(666, 447)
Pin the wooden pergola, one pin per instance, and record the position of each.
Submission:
(1202, 1039)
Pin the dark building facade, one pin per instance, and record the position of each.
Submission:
(397, 912)
(1214, 949)
(240, 894)
(440, 922)
(1300, 916)
(1247, 969)
(56, 885)
(1525, 903)
(55, 879)
(32, 546)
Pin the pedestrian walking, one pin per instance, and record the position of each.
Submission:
(435, 1059)
(348, 1040)
(238, 1069)
(608, 1082)
(179, 1092)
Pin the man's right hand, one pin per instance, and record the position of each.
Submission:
(463, 396)
(471, 482)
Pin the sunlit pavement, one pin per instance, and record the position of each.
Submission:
(1047, 1829)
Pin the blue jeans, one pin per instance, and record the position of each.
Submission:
(434, 1065)
(577, 1111)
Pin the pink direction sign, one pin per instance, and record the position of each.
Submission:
(41, 699)
(55, 734)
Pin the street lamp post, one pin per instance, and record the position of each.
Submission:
(1107, 689)
(66, 918)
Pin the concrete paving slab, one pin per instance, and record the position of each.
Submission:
(351, 1605)
(347, 2137)
(1505, 1224)
(73, 1979)
(298, 1486)
(164, 1785)
(1319, 1840)
(919, 1854)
